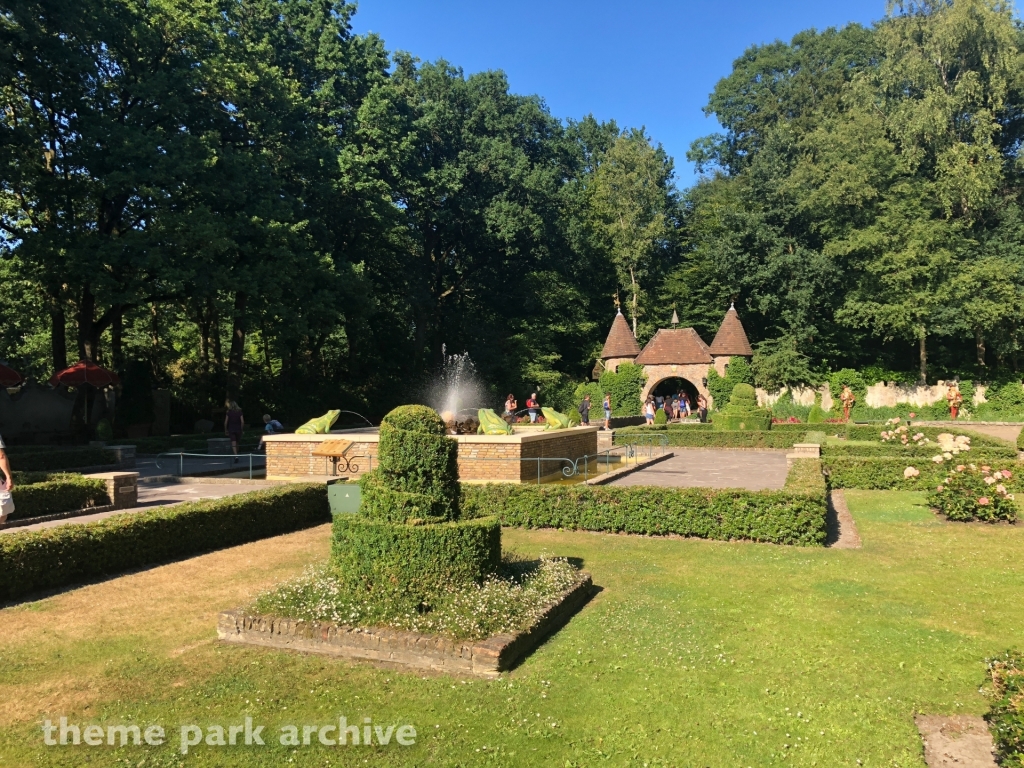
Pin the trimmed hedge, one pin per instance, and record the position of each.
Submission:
(795, 515)
(883, 473)
(418, 471)
(45, 459)
(418, 560)
(64, 494)
(978, 453)
(874, 431)
(687, 437)
(70, 554)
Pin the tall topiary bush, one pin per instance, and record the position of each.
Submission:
(407, 539)
(742, 412)
(737, 371)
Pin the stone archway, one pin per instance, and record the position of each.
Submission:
(694, 375)
(675, 385)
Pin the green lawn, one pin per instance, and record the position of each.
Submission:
(696, 653)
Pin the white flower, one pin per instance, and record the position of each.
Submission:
(937, 459)
(910, 472)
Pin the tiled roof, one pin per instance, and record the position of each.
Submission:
(675, 346)
(620, 342)
(731, 339)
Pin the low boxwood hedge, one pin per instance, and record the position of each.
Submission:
(421, 560)
(795, 515)
(40, 459)
(63, 493)
(687, 437)
(874, 432)
(69, 554)
(980, 452)
(881, 473)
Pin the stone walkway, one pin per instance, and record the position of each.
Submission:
(689, 468)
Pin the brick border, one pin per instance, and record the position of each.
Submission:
(482, 658)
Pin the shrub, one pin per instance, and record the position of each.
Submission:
(625, 386)
(969, 492)
(418, 471)
(1009, 396)
(881, 473)
(795, 515)
(64, 494)
(419, 561)
(742, 412)
(873, 432)
(852, 379)
(44, 459)
(68, 554)
(1006, 715)
(660, 417)
(816, 415)
(693, 437)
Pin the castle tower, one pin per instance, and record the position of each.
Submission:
(730, 341)
(620, 346)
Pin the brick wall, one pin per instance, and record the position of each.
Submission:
(295, 458)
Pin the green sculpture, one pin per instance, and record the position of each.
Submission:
(554, 419)
(320, 426)
(491, 423)
(742, 412)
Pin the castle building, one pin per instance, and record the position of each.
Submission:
(676, 359)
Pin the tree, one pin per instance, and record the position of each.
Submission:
(632, 200)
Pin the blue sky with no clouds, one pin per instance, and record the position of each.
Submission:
(646, 62)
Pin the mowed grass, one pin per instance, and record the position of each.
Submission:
(695, 654)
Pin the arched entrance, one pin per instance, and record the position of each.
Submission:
(676, 385)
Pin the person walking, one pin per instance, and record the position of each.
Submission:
(510, 405)
(649, 411)
(533, 407)
(702, 408)
(234, 423)
(584, 409)
(8, 484)
(607, 411)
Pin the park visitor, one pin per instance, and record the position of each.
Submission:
(702, 408)
(533, 407)
(584, 409)
(649, 411)
(607, 411)
(273, 426)
(234, 423)
(510, 405)
(6, 501)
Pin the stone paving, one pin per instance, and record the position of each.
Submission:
(689, 468)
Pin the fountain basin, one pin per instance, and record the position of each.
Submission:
(522, 457)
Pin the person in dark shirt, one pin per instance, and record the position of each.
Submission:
(584, 409)
(234, 423)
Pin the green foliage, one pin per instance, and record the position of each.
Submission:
(625, 386)
(1005, 716)
(660, 417)
(719, 388)
(417, 476)
(596, 393)
(42, 460)
(979, 442)
(104, 430)
(418, 561)
(687, 437)
(792, 516)
(816, 415)
(975, 493)
(70, 554)
(852, 379)
(778, 363)
(980, 452)
(62, 494)
(738, 371)
(135, 405)
(881, 473)
(1009, 396)
(967, 392)
(744, 397)
(742, 412)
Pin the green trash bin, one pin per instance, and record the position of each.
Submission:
(343, 498)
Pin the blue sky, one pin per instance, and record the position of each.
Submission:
(646, 62)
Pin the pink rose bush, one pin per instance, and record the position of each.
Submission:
(967, 494)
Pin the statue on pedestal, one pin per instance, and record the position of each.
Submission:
(955, 400)
(847, 398)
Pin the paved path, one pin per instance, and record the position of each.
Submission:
(753, 470)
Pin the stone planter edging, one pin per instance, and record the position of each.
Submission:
(482, 658)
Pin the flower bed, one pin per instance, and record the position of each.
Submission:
(971, 492)
(509, 601)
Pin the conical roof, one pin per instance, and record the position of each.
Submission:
(620, 341)
(731, 339)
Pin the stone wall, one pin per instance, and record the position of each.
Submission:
(879, 395)
(482, 458)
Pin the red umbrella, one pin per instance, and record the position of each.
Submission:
(9, 377)
(84, 372)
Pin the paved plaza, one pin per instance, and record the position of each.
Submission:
(689, 468)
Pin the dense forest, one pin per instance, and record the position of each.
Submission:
(244, 198)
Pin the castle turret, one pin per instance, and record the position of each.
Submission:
(620, 346)
(730, 341)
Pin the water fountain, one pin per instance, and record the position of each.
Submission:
(457, 392)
